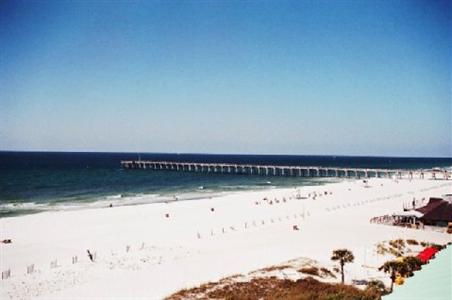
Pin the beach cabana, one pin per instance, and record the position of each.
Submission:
(431, 282)
(432, 203)
(437, 212)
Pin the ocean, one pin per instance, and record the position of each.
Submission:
(32, 182)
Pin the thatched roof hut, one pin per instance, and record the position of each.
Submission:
(437, 212)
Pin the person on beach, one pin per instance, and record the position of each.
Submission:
(90, 255)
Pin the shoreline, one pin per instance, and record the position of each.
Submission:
(138, 245)
(139, 198)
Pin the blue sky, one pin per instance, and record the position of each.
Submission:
(279, 77)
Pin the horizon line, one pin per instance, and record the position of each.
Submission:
(218, 154)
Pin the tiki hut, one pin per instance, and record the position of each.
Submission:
(437, 212)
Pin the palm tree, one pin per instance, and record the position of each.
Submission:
(343, 256)
(393, 267)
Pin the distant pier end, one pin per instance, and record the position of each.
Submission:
(295, 171)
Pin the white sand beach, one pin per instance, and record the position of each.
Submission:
(142, 253)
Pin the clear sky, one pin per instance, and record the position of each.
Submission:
(276, 77)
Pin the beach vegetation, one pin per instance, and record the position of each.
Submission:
(437, 246)
(395, 252)
(273, 288)
(310, 270)
(413, 264)
(381, 249)
(412, 242)
(398, 247)
(376, 286)
(326, 273)
(343, 256)
(434, 245)
(395, 247)
(394, 267)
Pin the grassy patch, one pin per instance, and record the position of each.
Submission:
(326, 273)
(282, 289)
(437, 246)
(412, 242)
(381, 249)
(397, 244)
(314, 271)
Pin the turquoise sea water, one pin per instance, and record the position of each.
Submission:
(31, 182)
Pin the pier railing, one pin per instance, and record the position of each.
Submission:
(275, 170)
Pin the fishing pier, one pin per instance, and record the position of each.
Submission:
(295, 171)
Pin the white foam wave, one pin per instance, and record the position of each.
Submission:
(102, 202)
(8, 207)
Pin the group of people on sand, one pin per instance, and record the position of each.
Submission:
(270, 202)
(314, 194)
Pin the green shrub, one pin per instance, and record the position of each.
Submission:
(397, 244)
(437, 246)
(412, 242)
(376, 286)
(310, 270)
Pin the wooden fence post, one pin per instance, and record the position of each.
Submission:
(30, 269)
(53, 264)
(6, 274)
